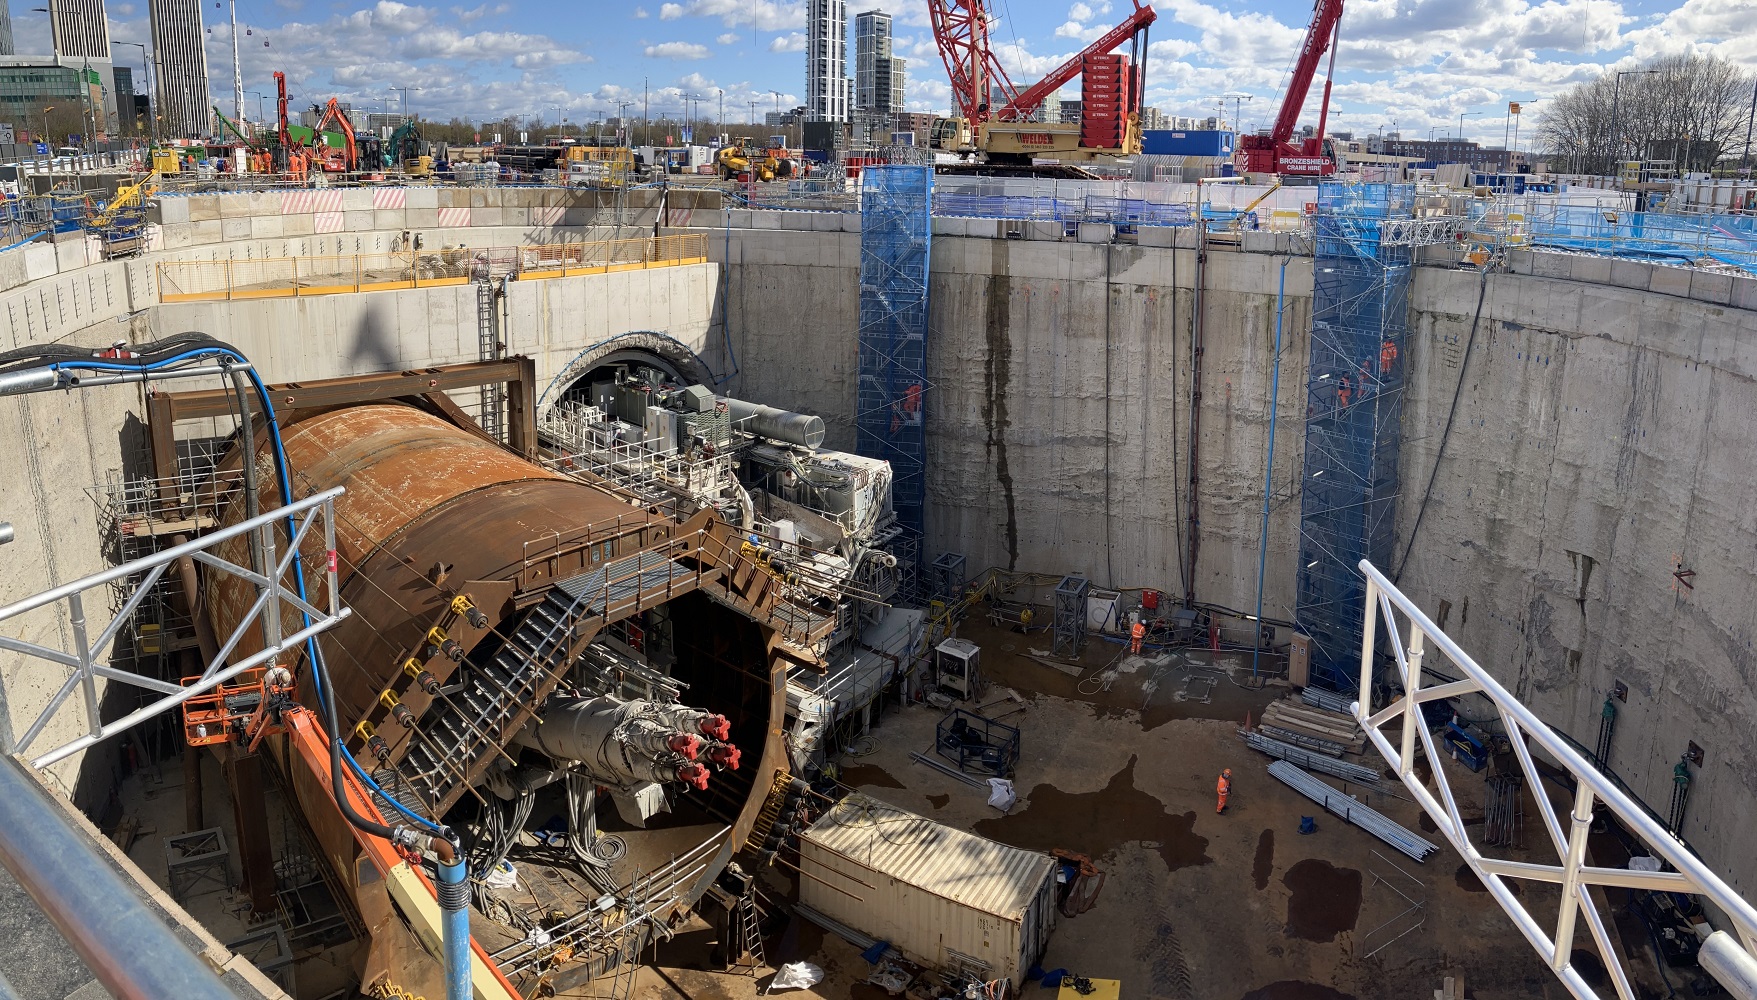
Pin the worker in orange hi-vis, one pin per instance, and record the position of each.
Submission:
(1223, 789)
(1137, 632)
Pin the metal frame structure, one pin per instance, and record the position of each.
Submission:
(891, 413)
(1728, 957)
(88, 655)
(1070, 615)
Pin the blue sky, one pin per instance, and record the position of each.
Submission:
(1414, 64)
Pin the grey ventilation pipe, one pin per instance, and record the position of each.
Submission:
(779, 425)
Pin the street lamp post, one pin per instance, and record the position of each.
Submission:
(1461, 117)
(1616, 102)
(146, 66)
(405, 91)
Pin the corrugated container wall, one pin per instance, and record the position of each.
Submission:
(1182, 142)
(947, 899)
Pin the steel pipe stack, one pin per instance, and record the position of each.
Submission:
(1314, 762)
(1329, 701)
(1360, 815)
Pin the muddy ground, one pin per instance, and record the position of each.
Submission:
(1237, 906)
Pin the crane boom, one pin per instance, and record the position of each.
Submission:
(1026, 101)
(961, 29)
(1276, 153)
(281, 109)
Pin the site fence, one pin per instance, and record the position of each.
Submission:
(292, 277)
(1667, 237)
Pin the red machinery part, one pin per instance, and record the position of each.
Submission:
(694, 775)
(716, 727)
(726, 755)
(1276, 153)
(687, 744)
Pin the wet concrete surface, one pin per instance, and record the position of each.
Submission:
(1179, 679)
(1264, 862)
(939, 801)
(868, 776)
(1290, 990)
(1095, 823)
(1325, 900)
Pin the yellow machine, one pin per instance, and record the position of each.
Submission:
(1018, 142)
(761, 164)
(420, 166)
(127, 197)
(164, 161)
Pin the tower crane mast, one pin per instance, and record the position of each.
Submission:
(1277, 153)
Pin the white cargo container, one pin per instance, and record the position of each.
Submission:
(946, 899)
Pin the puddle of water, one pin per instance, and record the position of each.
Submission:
(1265, 860)
(1096, 823)
(1291, 989)
(1325, 900)
(939, 801)
(856, 775)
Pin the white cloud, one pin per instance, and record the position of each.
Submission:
(769, 15)
(677, 50)
(728, 38)
(670, 11)
(1079, 12)
(794, 42)
(638, 13)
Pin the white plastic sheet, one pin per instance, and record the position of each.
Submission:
(796, 976)
(1001, 794)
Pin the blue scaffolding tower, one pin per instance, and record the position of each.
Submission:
(890, 409)
(1354, 410)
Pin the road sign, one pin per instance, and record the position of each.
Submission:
(1512, 107)
(42, 147)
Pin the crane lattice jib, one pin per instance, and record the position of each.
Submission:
(1318, 35)
(961, 29)
(1027, 101)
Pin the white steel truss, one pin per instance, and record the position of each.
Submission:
(1728, 958)
(89, 657)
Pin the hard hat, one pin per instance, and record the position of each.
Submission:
(1226, 772)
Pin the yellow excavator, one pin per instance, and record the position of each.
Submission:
(760, 164)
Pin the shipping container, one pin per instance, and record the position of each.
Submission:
(947, 899)
(1166, 142)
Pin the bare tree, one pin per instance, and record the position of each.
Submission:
(1686, 108)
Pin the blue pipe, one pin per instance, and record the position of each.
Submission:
(285, 481)
(1269, 467)
(454, 923)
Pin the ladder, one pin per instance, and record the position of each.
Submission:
(488, 349)
(749, 933)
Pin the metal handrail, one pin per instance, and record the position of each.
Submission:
(1723, 955)
(126, 945)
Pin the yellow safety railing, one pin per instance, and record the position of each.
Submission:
(290, 277)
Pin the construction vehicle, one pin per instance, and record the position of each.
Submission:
(345, 160)
(1276, 153)
(742, 159)
(402, 151)
(1003, 124)
(121, 223)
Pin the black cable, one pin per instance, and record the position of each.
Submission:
(1446, 434)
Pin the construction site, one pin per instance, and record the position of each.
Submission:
(925, 578)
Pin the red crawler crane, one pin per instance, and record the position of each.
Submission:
(1276, 153)
(983, 93)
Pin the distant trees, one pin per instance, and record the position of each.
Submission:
(1687, 108)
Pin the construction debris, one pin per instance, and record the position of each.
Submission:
(1353, 811)
(1305, 720)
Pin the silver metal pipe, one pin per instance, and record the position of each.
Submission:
(1730, 965)
(780, 425)
(6, 533)
(29, 380)
(124, 943)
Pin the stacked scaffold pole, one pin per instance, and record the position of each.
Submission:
(1354, 410)
(890, 413)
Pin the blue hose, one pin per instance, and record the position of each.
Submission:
(454, 924)
(284, 477)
